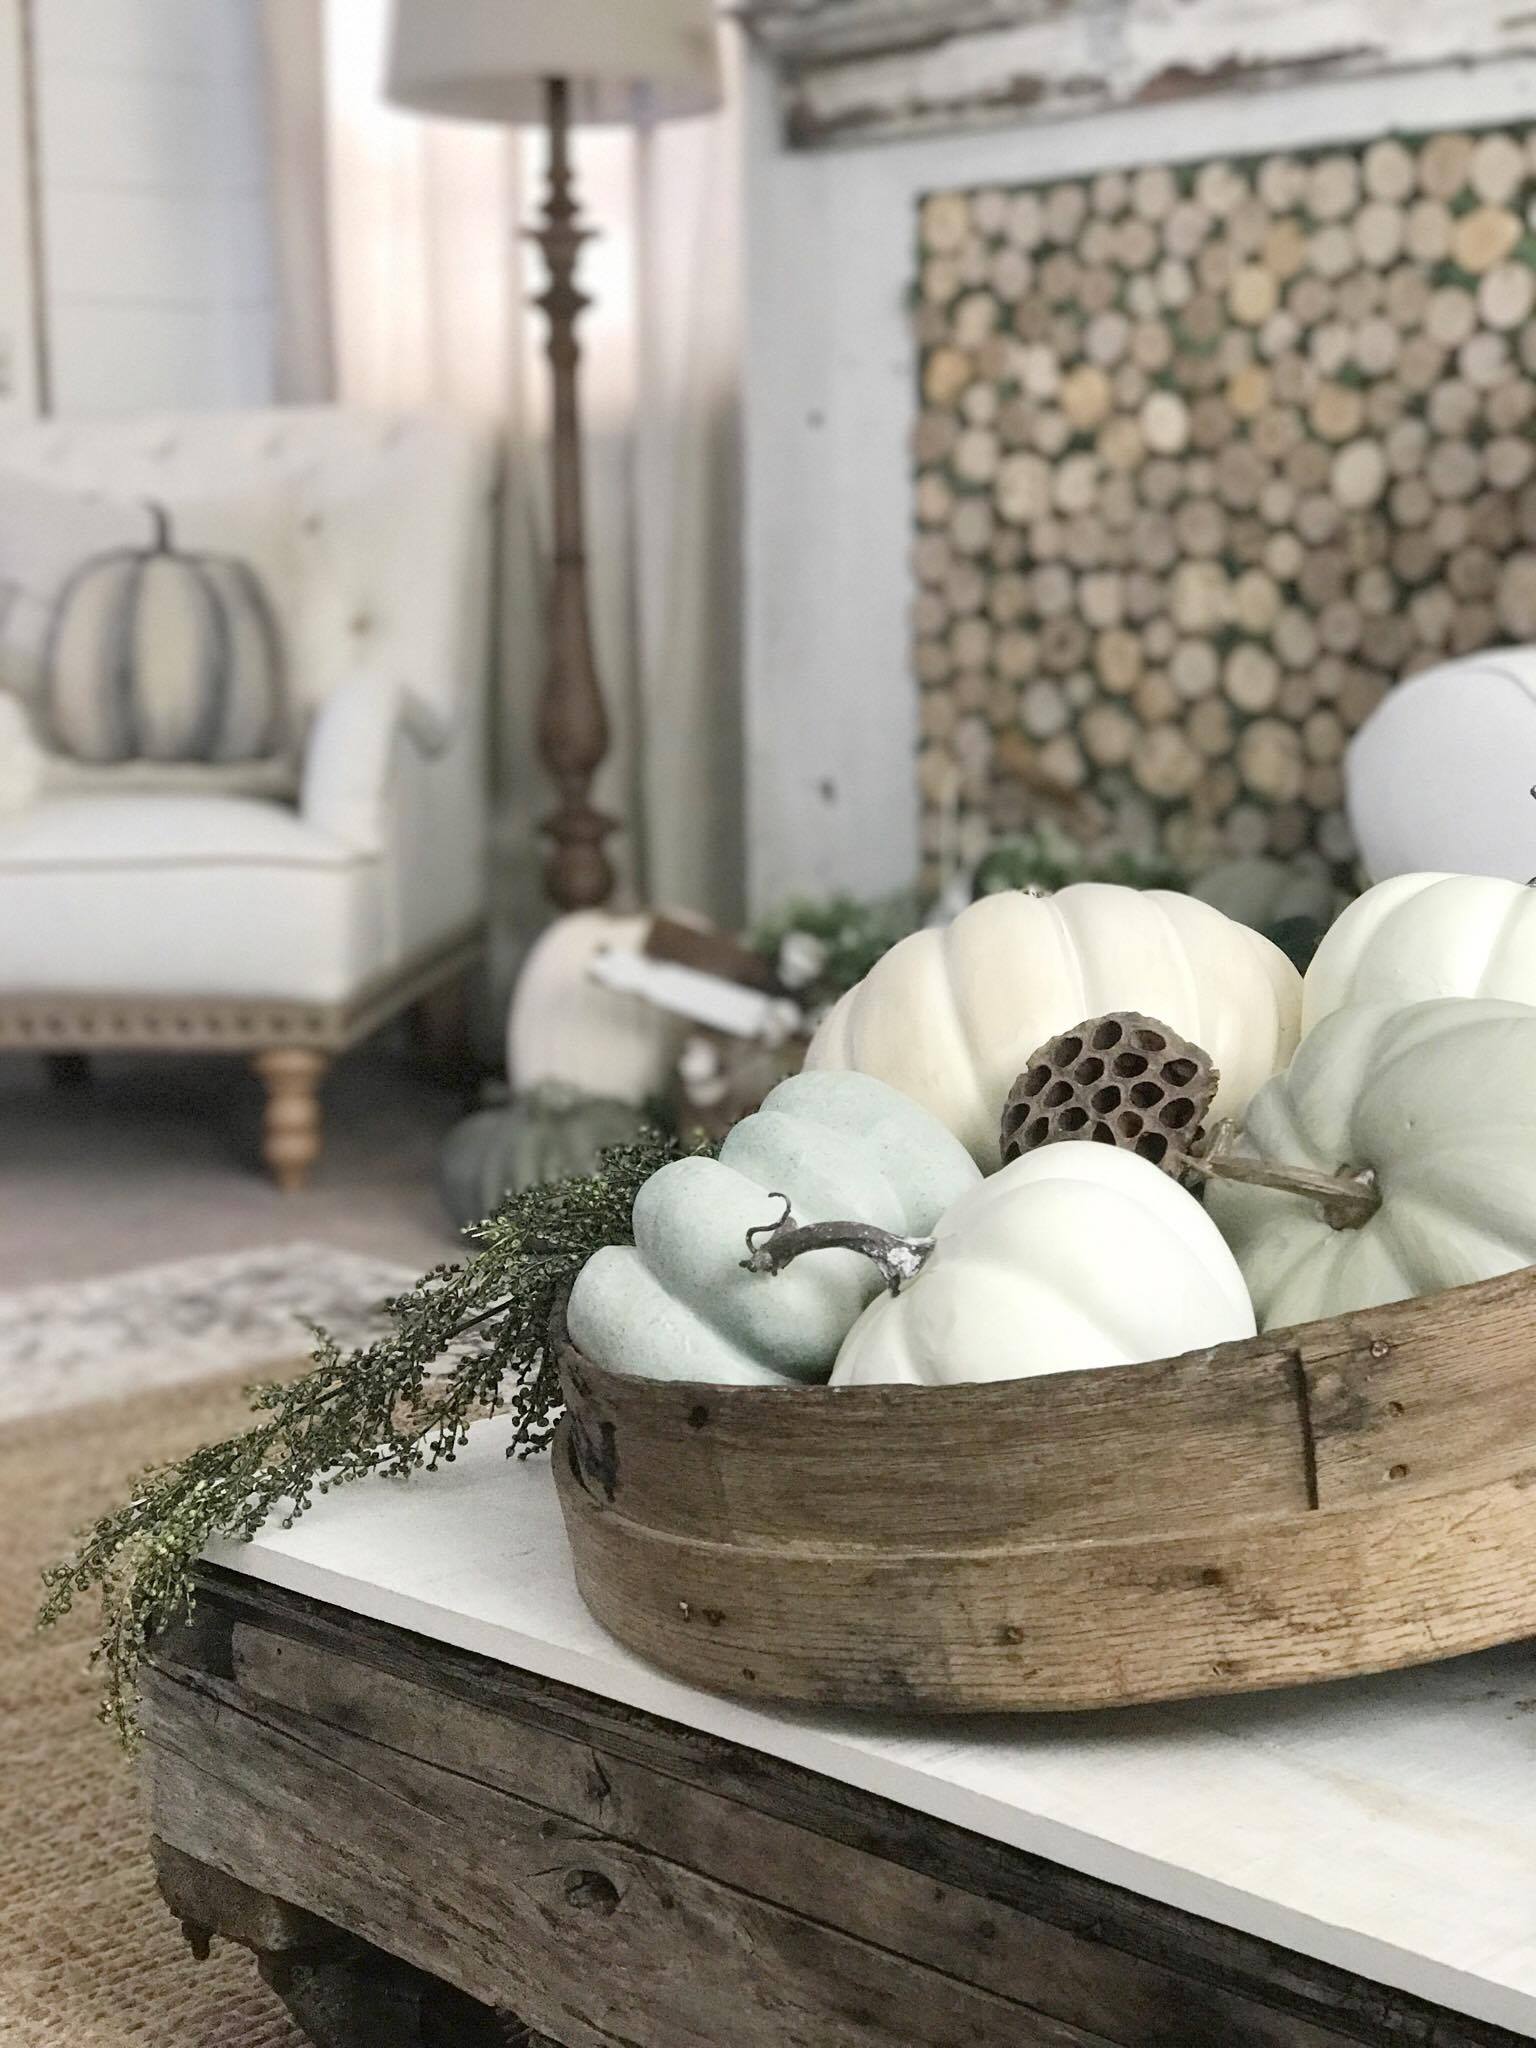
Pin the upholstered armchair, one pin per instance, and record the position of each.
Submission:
(282, 923)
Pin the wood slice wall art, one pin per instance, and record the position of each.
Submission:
(1207, 458)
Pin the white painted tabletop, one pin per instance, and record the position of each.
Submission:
(1387, 1825)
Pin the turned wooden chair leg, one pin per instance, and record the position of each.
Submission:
(291, 1075)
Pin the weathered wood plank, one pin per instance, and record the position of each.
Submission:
(1263, 1601)
(995, 1946)
(1204, 1437)
(209, 1902)
(522, 1908)
(854, 69)
(1416, 1396)
(1030, 1903)
(342, 1992)
(1401, 1396)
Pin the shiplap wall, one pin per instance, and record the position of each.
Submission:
(18, 384)
(157, 271)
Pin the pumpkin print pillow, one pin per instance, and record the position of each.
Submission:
(150, 653)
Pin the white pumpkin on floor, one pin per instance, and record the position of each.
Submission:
(1078, 1255)
(951, 1016)
(1419, 936)
(568, 1030)
(1436, 1103)
(678, 1305)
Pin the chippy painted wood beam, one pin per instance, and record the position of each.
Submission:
(853, 70)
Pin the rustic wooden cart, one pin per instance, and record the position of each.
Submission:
(394, 1755)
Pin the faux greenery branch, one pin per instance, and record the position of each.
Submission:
(382, 1409)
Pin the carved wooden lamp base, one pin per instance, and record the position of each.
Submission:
(573, 724)
(552, 60)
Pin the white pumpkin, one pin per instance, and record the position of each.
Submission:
(1419, 936)
(1076, 1255)
(1440, 774)
(951, 1016)
(567, 1029)
(1438, 1101)
(678, 1305)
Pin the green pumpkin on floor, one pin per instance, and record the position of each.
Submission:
(550, 1133)
(1291, 902)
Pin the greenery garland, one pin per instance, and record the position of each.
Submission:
(381, 1409)
(822, 948)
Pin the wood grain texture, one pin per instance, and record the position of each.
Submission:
(853, 69)
(289, 1745)
(341, 1991)
(1352, 1495)
(572, 718)
(291, 1121)
(1300, 365)
(591, 1939)
(1067, 1455)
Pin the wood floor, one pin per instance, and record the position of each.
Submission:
(157, 1158)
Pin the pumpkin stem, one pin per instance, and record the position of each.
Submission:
(899, 1258)
(160, 527)
(1348, 1198)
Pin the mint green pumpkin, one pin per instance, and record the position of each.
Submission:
(677, 1305)
(550, 1133)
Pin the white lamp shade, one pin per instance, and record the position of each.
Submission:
(489, 60)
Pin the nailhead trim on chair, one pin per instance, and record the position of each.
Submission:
(107, 1022)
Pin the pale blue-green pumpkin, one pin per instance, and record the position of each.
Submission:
(549, 1133)
(677, 1304)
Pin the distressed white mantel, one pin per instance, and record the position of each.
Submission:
(831, 708)
(853, 69)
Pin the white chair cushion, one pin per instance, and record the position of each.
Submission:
(185, 896)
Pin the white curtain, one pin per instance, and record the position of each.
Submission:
(430, 279)
(291, 44)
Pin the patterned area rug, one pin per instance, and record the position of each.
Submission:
(157, 1325)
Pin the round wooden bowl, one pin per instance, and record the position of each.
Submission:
(1347, 1496)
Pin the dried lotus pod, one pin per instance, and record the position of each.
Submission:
(1121, 1079)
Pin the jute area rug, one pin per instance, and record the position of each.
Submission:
(89, 1957)
(96, 1382)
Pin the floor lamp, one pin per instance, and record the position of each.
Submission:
(556, 63)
